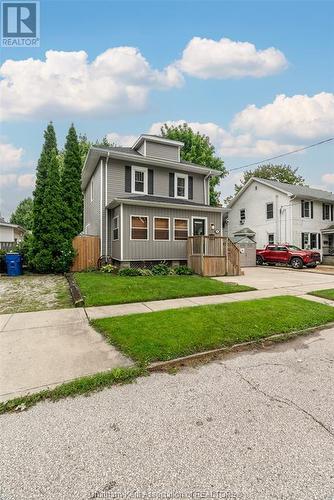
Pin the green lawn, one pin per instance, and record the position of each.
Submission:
(169, 334)
(325, 294)
(100, 289)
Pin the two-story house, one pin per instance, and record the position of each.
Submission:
(284, 213)
(144, 201)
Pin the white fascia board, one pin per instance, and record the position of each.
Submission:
(261, 181)
(161, 140)
(181, 206)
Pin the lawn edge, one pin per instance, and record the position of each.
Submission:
(77, 387)
(75, 291)
(317, 293)
(206, 356)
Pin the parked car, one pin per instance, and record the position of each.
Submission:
(289, 255)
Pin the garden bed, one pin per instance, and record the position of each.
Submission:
(165, 335)
(100, 289)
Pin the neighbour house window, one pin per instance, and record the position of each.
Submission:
(115, 228)
(314, 240)
(271, 239)
(326, 211)
(306, 209)
(181, 229)
(305, 240)
(242, 215)
(270, 210)
(161, 228)
(181, 185)
(139, 180)
(91, 190)
(139, 227)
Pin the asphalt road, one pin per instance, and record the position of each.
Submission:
(257, 425)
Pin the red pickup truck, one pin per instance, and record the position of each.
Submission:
(287, 254)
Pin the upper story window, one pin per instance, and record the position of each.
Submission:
(139, 180)
(307, 209)
(242, 215)
(270, 210)
(181, 186)
(326, 210)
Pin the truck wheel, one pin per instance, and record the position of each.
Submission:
(259, 260)
(296, 263)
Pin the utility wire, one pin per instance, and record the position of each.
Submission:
(284, 154)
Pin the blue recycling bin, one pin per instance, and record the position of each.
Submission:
(14, 264)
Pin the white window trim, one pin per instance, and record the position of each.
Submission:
(135, 169)
(269, 218)
(201, 218)
(157, 217)
(309, 210)
(180, 218)
(117, 217)
(181, 176)
(148, 227)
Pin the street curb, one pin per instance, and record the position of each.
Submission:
(77, 298)
(206, 356)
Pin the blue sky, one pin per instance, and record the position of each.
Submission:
(161, 81)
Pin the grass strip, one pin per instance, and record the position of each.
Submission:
(100, 289)
(82, 385)
(164, 335)
(325, 294)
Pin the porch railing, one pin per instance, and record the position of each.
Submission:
(213, 256)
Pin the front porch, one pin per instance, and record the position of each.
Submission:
(328, 245)
(213, 256)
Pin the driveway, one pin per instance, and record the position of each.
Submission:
(43, 349)
(257, 425)
(275, 278)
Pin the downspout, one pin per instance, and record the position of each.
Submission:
(106, 200)
(207, 190)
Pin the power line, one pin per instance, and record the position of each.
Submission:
(283, 154)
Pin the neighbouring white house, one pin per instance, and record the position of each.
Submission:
(284, 213)
(10, 234)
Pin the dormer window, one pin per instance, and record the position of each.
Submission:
(181, 185)
(139, 180)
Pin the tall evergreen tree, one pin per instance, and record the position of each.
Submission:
(50, 144)
(71, 186)
(54, 249)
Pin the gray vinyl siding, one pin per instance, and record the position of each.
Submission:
(141, 149)
(92, 208)
(116, 181)
(162, 151)
(160, 250)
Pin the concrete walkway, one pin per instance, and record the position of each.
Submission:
(46, 348)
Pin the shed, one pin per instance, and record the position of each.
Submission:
(244, 238)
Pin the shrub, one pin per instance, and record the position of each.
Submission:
(183, 270)
(129, 271)
(161, 269)
(145, 272)
(109, 268)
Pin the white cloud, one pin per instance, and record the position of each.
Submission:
(26, 181)
(7, 179)
(206, 58)
(10, 156)
(120, 139)
(300, 117)
(66, 83)
(328, 178)
(228, 144)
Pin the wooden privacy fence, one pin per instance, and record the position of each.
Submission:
(87, 252)
(213, 256)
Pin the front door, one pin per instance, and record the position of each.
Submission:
(199, 228)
